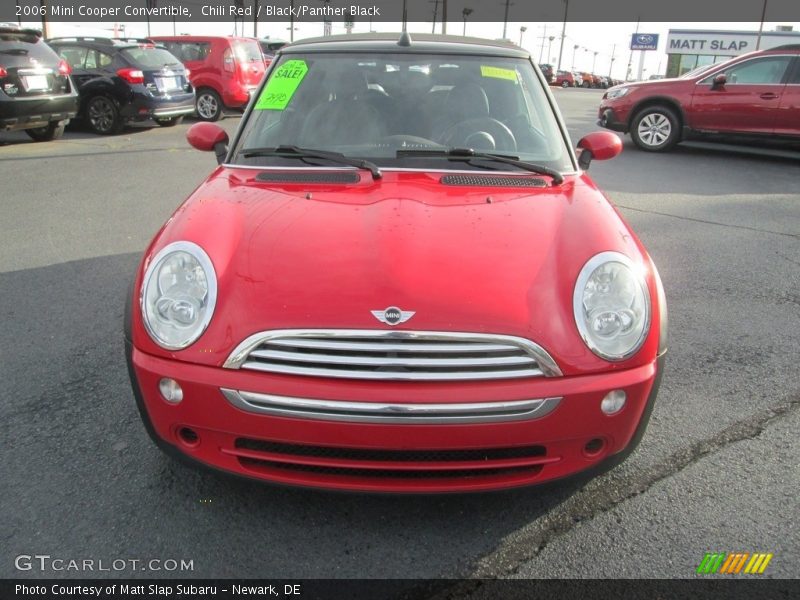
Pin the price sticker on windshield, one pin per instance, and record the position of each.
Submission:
(498, 73)
(282, 85)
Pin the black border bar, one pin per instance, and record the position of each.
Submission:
(376, 11)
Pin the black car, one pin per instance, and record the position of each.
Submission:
(36, 93)
(270, 46)
(126, 80)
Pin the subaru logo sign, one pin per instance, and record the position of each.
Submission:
(644, 41)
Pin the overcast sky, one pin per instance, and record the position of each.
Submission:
(607, 39)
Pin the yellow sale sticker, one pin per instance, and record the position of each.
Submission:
(282, 85)
(498, 73)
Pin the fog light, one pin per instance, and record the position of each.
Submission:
(613, 402)
(170, 390)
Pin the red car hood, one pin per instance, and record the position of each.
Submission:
(474, 259)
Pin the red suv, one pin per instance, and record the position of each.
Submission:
(225, 70)
(753, 95)
(564, 79)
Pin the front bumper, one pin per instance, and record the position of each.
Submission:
(610, 118)
(392, 457)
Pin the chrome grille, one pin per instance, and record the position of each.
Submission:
(393, 355)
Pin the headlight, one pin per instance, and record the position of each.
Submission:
(617, 92)
(612, 306)
(179, 293)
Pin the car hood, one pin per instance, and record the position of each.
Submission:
(463, 258)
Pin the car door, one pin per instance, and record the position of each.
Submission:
(748, 101)
(787, 121)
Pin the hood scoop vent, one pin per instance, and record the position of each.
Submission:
(308, 177)
(493, 181)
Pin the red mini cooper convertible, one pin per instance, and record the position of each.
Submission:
(400, 278)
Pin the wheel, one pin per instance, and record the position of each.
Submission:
(208, 105)
(655, 129)
(484, 131)
(48, 133)
(103, 117)
(565, 84)
(171, 122)
(586, 84)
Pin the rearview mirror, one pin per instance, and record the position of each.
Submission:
(600, 145)
(208, 137)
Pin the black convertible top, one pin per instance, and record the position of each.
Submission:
(419, 43)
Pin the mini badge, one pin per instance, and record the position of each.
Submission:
(393, 315)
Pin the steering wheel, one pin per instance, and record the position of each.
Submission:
(484, 128)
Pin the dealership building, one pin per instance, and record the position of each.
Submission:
(690, 48)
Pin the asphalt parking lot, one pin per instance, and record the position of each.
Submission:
(717, 470)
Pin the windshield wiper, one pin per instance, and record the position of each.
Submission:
(470, 155)
(295, 152)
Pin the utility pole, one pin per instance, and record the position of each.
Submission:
(505, 18)
(630, 58)
(544, 37)
(43, 4)
(435, 14)
(563, 34)
(761, 26)
(611, 66)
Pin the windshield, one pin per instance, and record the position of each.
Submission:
(380, 105)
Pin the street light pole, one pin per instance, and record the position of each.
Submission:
(594, 60)
(522, 30)
(574, 49)
(549, 45)
(465, 13)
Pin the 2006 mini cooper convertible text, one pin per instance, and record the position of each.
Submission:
(400, 278)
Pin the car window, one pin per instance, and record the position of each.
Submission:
(767, 70)
(18, 47)
(150, 57)
(191, 51)
(247, 51)
(372, 106)
(795, 77)
(97, 60)
(74, 55)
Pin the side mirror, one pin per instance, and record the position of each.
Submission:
(208, 137)
(719, 81)
(600, 145)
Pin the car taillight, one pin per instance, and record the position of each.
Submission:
(64, 68)
(131, 75)
(227, 61)
(3, 72)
